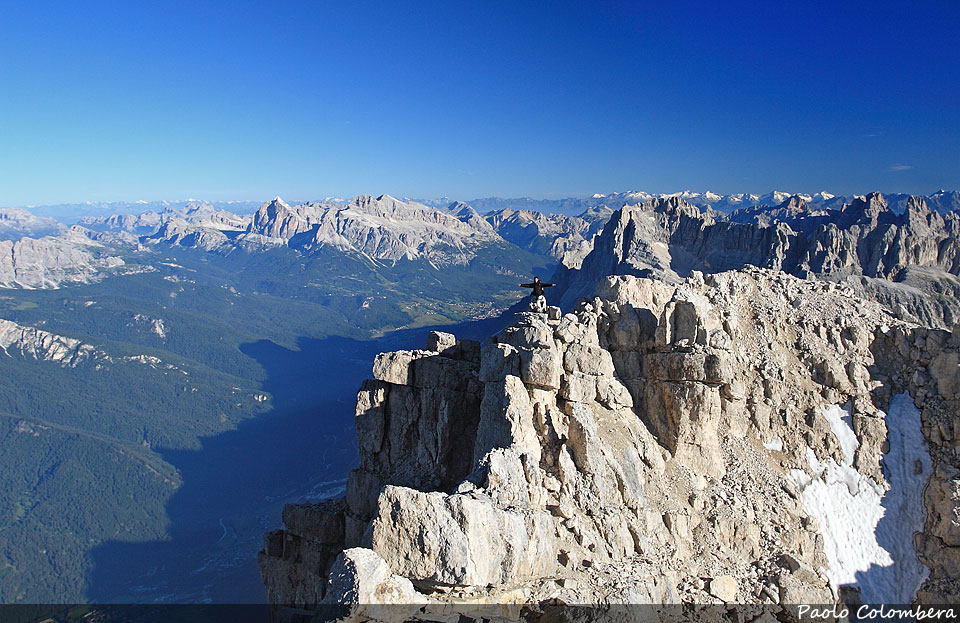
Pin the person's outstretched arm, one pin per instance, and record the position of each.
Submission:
(526, 285)
(548, 285)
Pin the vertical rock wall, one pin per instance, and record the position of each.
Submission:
(637, 450)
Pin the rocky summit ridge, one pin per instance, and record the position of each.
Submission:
(48, 262)
(898, 249)
(908, 260)
(740, 437)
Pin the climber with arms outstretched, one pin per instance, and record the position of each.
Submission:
(538, 302)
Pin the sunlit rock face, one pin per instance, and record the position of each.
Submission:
(50, 262)
(676, 442)
(908, 260)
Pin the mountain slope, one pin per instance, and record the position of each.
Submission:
(864, 243)
(51, 261)
(663, 444)
(382, 228)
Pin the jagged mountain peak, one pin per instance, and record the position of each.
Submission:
(277, 202)
(795, 203)
(864, 240)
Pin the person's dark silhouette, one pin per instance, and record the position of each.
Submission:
(538, 302)
(537, 286)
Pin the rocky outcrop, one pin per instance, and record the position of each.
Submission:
(416, 421)
(49, 262)
(663, 443)
(566, 238)
(44, 346)
(909, 259)
(381, 228)
(16, 223)
(179, 232)
(33, 343)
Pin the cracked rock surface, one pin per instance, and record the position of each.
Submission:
(642, 449)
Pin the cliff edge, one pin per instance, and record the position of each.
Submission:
(744, 437)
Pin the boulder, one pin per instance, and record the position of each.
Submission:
(439, 342)
(360, 576)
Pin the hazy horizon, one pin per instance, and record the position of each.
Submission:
(438, 198)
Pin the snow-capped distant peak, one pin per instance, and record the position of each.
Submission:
(683, 194)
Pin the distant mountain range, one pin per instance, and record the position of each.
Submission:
(942, 201)
(907, 258)
(376, 228)
(68, 213)
(44, 252)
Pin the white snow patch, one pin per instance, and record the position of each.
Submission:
(842, 426)
(907, 468)
(867, 528)
(775, 444)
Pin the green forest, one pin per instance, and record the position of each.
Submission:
(130, 480)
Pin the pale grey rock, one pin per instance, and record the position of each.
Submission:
(541, 367)
(640, 449)
(382, 228)
(578, 387)
(360, 576)
(438, 341)
(530, 330)
(504, 418)
(612, 394)
(397, 367)
(52, 261)
(587, 359)
(724, 588)
(500, 361)
(459, 539)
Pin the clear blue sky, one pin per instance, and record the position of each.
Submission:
(246, 100)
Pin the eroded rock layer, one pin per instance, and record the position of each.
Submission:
(909, 261)
(664, 443)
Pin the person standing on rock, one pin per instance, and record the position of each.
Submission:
(538, 302)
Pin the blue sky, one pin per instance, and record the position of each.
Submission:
(246, 100)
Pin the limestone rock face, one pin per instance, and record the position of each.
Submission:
(360, 576)
(566, 238)
(180, 232)
(660, 443)
(48, 262)
(45, 346)
(909, 261)
(68, 352)
(379, 227)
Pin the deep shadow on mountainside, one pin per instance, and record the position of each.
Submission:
(234, 487)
